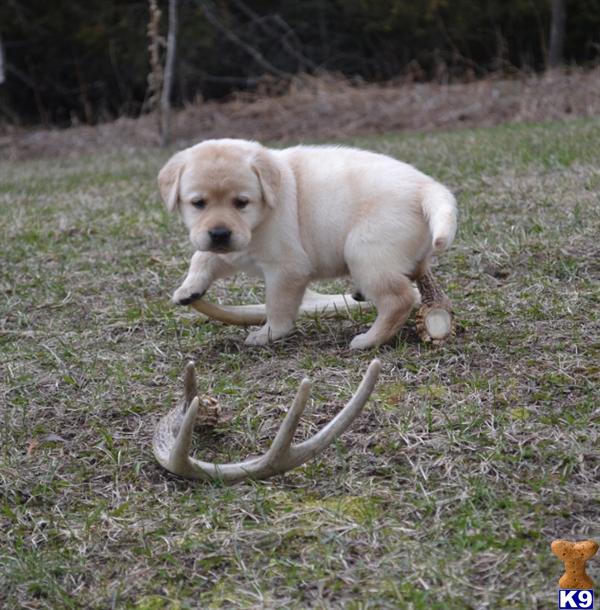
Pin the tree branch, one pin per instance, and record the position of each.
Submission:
(278, 20)
(207, 8)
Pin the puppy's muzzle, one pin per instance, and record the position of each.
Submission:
(220, 238)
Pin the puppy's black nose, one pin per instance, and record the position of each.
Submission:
(220, 235)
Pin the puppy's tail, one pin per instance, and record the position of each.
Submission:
(439, 208)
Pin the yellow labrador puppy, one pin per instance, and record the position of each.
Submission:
(306, 213)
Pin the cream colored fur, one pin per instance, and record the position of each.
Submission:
(310, 212)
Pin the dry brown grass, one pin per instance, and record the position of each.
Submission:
(330, 107)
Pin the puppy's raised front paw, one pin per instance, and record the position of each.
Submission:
(185, 296)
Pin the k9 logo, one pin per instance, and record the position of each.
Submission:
(575, 598)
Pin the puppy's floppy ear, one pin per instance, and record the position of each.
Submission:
(265, 167)
(168, 181)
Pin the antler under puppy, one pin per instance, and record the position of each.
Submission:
(173, 435)
(327, 305)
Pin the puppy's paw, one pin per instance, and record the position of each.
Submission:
(362, 342)
(262, 336)
(266, 334)
(185, 295)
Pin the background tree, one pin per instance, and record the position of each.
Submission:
(165, 96)
(2, 72)
(557, 33)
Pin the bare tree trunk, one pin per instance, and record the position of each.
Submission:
(557, 34)
(88, 111)
(165, 97)
(155, 77)
(2, 69)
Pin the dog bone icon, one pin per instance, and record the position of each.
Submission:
(574, 555)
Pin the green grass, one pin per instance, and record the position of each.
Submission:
(445, 494)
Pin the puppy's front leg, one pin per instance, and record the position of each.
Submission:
(284, 292)
(205, 268)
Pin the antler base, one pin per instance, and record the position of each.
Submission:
(434, 319)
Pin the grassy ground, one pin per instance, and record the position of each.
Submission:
(447, 491)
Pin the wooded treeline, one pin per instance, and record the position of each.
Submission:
(68, 62)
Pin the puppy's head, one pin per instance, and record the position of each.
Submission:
(223, 190)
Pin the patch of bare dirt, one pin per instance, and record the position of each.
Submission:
(331, 107)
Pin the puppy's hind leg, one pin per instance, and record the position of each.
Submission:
(394, 301)
(380, 276)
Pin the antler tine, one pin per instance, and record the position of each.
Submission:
(340, 423)
(190, 389)
(281, 444)
(179, 458)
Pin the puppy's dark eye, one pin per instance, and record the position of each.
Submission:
(240, 203)
(199, 203)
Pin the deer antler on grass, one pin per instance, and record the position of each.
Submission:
(173, 435)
